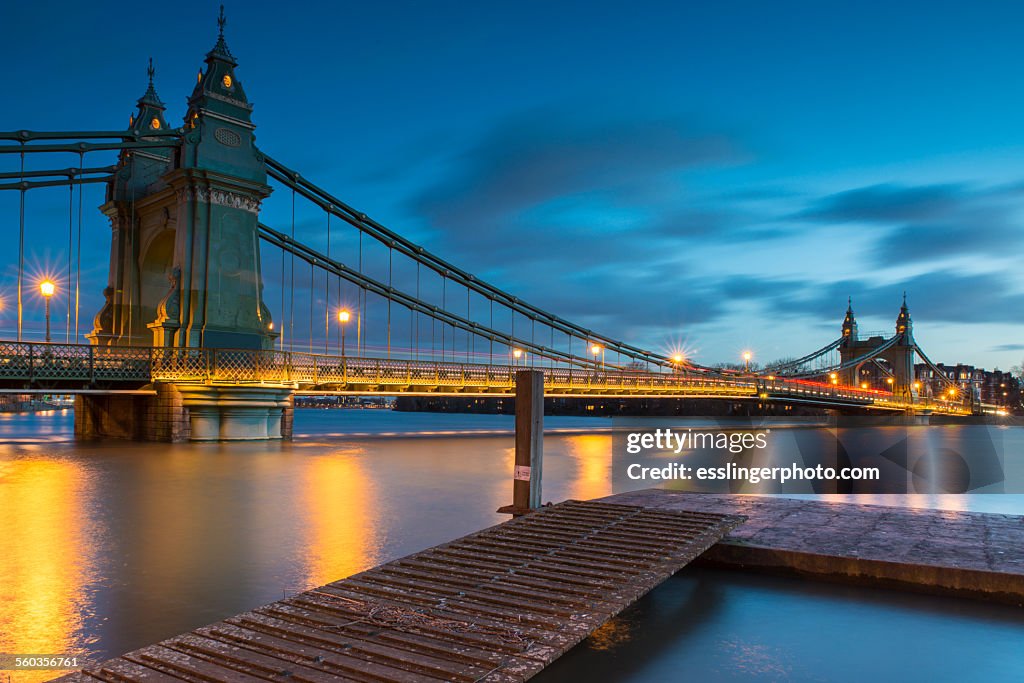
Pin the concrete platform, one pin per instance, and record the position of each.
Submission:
(969, 554)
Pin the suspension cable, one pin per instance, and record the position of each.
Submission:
(21, 243)
(443, 316)
(78, 251)
(327, 293)
(71, 242)
(390, 253)
(363, 223)
(291, 287)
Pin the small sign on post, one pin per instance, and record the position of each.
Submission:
(526, 477)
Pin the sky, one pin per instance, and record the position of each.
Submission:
(716, 176)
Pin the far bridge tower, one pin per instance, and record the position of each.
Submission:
(897, 356)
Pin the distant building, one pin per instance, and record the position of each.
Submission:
(996, 387)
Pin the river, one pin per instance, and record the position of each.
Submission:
(106, 547)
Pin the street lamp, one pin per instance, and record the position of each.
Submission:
(517, 354)
(677, 361)
(47, 289)
(834, 376)
(343, 318)
(746, 361)
(598, 350)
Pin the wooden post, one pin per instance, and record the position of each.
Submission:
(526, 477)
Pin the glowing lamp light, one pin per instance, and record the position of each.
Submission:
(517, 353)
(677, 358)
(344, 316)
(47, 288)
(595, 349)
(864, 385)
(747, 356)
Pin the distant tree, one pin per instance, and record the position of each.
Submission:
(1018, 371)
(779, 361)
(754, 366)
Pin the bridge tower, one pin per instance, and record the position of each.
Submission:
(185, 261)
(185, 265)
(899, 355)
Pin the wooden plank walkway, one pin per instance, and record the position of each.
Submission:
(950, 552)
(498, 605)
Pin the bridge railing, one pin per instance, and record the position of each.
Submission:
(60, 364)
(55, 363)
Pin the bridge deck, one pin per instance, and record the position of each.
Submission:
(498, 605)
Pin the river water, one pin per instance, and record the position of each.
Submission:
(106, 547)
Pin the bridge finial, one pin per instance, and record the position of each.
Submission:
(150, 101)
(221, 48)
(903, 321)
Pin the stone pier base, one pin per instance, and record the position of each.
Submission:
(238, 413)
(188, 412)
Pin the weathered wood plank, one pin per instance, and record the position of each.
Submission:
(497, 606)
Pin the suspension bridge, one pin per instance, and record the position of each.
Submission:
(188, 344)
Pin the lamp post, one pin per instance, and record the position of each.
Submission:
(47, 289)
(517, 354)
(598, 350)
(746, 361)
(343, 318)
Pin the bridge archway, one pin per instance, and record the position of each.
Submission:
(155, 273)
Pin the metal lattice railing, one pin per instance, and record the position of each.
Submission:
(24, 364)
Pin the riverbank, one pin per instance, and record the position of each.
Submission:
(963, 554)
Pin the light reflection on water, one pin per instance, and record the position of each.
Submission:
(108, 547)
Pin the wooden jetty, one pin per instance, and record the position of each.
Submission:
(498, 605)
(945, 552)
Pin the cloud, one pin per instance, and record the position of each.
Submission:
(547, 176)
(1007, 347)
(934, 297)
(886, 203)
(928, 222)
(601, 221)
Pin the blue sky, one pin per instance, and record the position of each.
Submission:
(721, 175)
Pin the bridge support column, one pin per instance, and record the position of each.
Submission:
(137, 417)
(238, 413)
(181, 412)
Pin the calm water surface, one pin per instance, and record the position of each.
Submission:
(113, 546)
